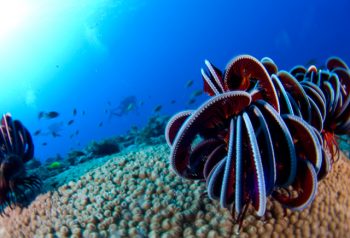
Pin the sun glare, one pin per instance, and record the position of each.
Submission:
(38, 35)
(13, 13)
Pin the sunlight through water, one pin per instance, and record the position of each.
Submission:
(13, 15)
(36, 36)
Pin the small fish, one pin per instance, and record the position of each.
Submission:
(57, 66)
(44, 143)
(109, 103)
(71, 136)
(189, 83)
(55, 134)
(173, 101)
(130, 107)
(52, 114)
(100, 124)
(54, 165)
(41, 115)
(70, 122)
(77, 132)
(106, 111)
(74, 111)
(158, 108)
(37, 132)
(83, 112)
(48, 115)
(197, 93)
(142, 102)
(191, 101)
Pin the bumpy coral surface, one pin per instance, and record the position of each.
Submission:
(137, 194)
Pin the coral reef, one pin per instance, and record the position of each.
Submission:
(136, 194)
(153, 132)
(105, 147)
(94, 154)
(75, 157)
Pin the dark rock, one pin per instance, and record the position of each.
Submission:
(102, 148)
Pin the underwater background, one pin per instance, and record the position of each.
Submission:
(104, 88)
(82, 59)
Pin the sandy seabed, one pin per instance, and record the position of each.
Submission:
(136, 194)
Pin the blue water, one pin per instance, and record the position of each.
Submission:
(78, 55)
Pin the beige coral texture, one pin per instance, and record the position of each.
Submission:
(138, 195)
